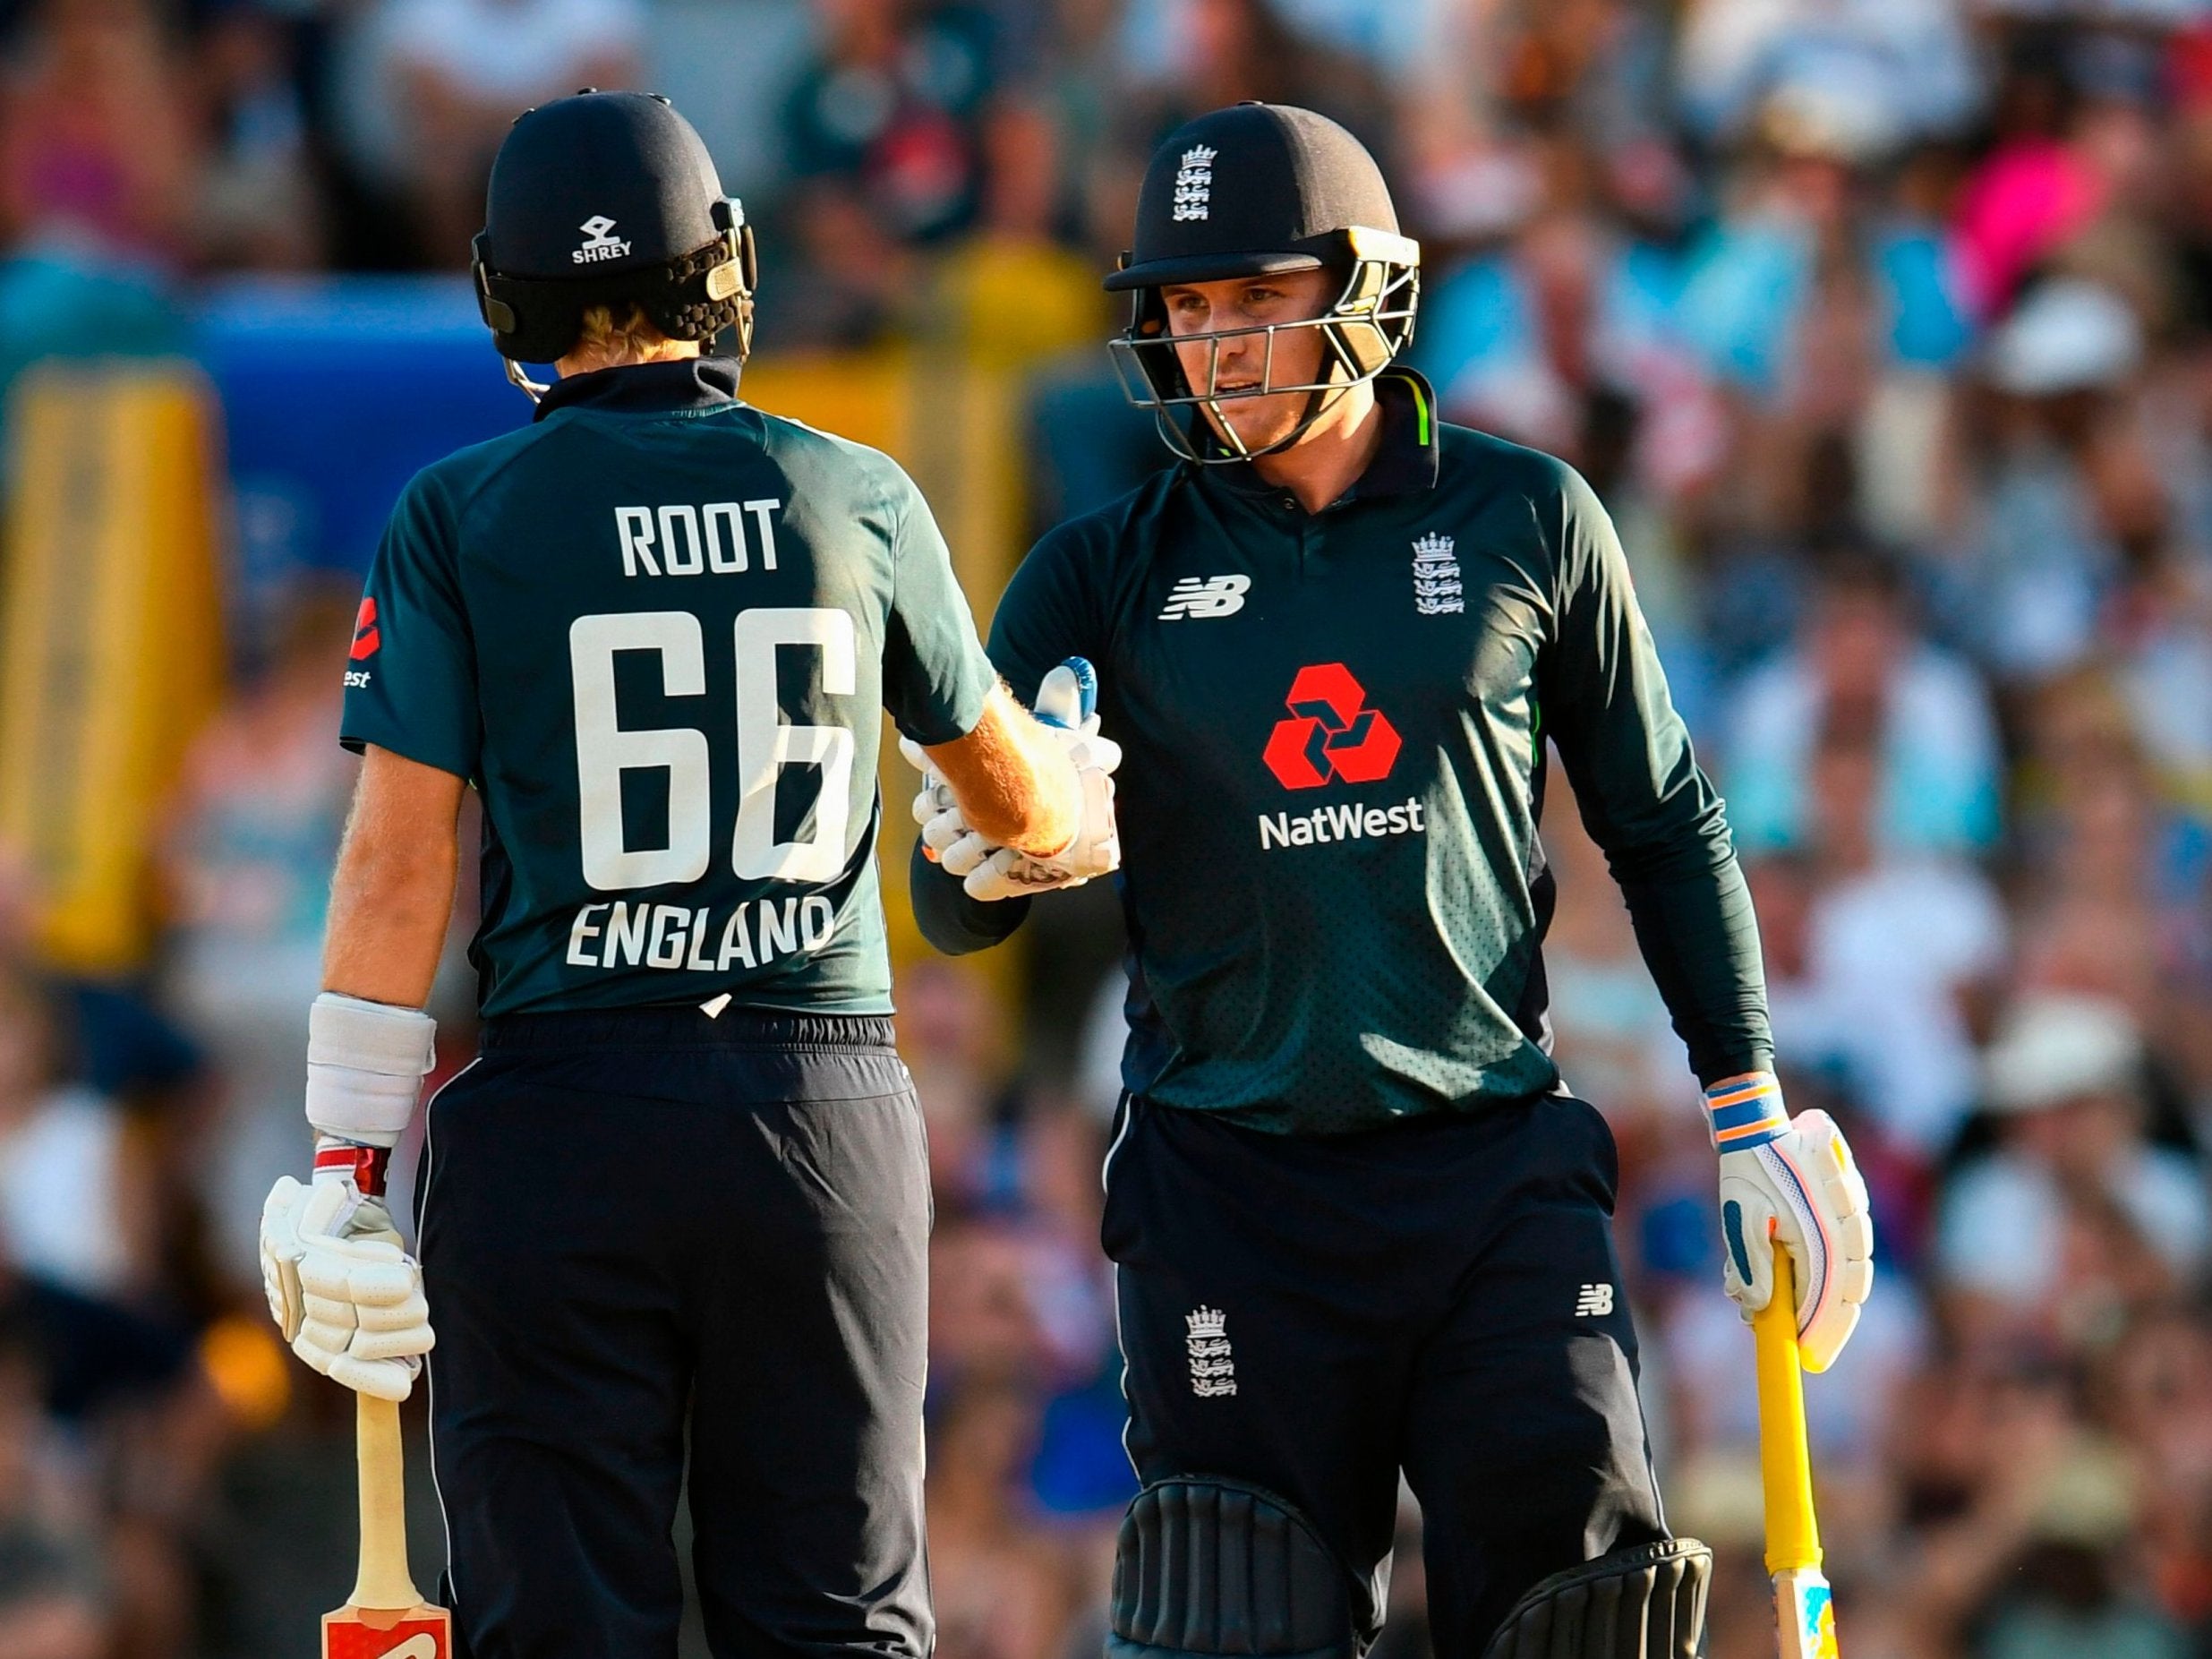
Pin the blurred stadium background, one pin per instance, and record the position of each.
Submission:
(1884, 329)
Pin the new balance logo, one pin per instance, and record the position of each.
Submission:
(599, 242)
(1213, 1365)
(1205, 596)
(1436, 577)
(1593, 1302)
(1194, 183)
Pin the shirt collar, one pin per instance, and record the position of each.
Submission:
(687, 386)
(1405, 462)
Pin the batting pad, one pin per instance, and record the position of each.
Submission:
(1643, 1603)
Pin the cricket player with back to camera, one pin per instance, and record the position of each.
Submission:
(681, 1197)
(1359, 1224)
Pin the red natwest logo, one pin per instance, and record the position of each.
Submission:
(1331, 737)
(366, 636)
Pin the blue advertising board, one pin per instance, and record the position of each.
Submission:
(335, 391)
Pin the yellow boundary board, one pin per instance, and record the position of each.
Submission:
(111, 645)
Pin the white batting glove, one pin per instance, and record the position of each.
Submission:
(989, 871)
(343, 1292)
(1791, 1181)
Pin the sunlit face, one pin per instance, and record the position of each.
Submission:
(1227, 368)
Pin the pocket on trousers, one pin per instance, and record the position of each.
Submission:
(1605, 1152)
(1116, 1234)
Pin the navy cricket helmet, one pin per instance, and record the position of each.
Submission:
(609, 199)
(1258, 189)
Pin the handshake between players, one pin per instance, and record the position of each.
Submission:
(1067, 704)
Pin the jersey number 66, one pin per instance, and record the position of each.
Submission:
(766, 744)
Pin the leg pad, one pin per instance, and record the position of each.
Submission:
(1207, 1566)
(1647, 1602)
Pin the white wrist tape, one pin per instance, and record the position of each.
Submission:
(365, 1065)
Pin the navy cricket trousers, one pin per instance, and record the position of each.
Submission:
(1315, 1313)
(644, 1227)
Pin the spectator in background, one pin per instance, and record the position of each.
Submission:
(2158, 628)
(1000, 1587)
(853, 285)
(130, 1434)
(253, 835)
(2154, 1390)
(260, 206)
(53, 1601)
(2107, 912)
(119, 1108)
(121, 1046)
(1908, 63)
(2015, 1513)
(2074, 1218)
(1901, 951)
(2072, 165)
(890, 115)
(951, 1034)
(1858, 666)
(71, 1204)
(884, 134)
(1186, 57)
(1813, 278)
(96, 146)
(436, 83)
(983, 1322)
(1011, 295)
(2043, 554)
(1518, 338)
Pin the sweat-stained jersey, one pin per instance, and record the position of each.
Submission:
(655, 629)
(1332, 728)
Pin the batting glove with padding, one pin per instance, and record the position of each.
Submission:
(343, 1291)
(1065, 703)
(1791, 1181)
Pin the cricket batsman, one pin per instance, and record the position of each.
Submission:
(680, 1201)
(1360, 1222)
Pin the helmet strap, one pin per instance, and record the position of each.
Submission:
(531, 389)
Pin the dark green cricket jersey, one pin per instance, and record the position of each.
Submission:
(655, 629)
(1333, 776)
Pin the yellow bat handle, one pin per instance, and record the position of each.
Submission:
(1785, 1466)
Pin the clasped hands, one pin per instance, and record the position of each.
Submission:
(1066, 705)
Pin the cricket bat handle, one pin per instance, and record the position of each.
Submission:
(383, 1584)
(1785, 1466)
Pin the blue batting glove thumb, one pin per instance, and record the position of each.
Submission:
(1069, 694)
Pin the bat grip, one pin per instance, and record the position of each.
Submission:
(383, 1584)
(1785, 1466)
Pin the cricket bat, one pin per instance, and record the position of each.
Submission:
(385, 1617)
(1804, 1617)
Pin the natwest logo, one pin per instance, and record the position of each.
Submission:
(1331, 736)
(367, 635)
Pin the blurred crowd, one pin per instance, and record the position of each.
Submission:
(1884, 330)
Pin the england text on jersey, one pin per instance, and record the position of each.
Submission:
(619, 933)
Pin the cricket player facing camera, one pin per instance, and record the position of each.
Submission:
(681, 1195)
(1361, 1224)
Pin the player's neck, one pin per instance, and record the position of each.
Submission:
(587, 360)
(1335, 450)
